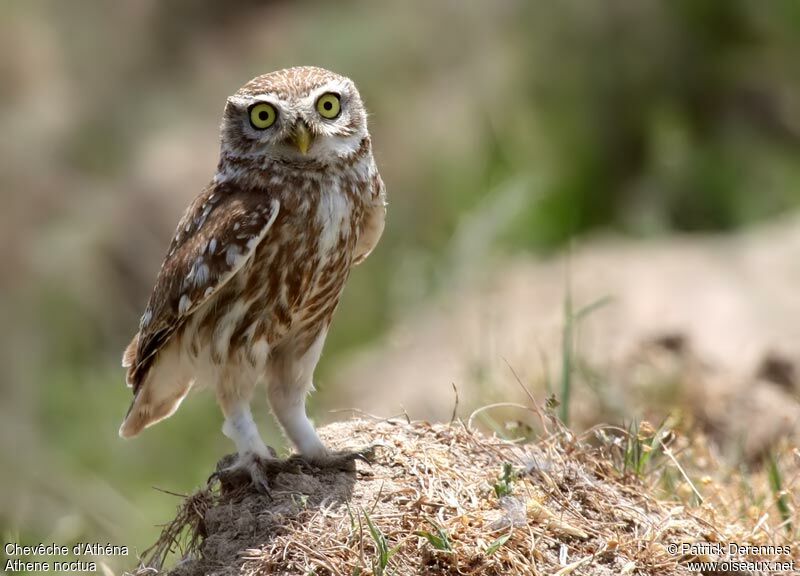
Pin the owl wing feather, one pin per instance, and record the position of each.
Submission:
(217, 235)
(374, 221)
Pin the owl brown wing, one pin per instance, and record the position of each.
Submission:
(374, 221)
(216, 236)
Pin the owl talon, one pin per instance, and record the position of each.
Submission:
(344, 460)
(246, 469)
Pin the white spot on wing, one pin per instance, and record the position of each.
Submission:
(207, 208)
(201, 272)
(232, 254)
(251, 244)
(146, 318)
(184, 304)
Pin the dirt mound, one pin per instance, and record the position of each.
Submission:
(446, 499)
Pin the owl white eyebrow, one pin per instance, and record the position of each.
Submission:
(245, 101)
(269, 97)
(336, 87)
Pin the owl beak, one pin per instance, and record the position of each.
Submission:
(302, 137)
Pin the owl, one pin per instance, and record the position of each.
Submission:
(254, 273)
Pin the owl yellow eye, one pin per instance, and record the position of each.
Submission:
(328, 105)
(262, 115)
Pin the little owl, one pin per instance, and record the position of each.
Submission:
(255, 271)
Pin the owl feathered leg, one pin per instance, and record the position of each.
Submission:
(290, 381)
(240, 427)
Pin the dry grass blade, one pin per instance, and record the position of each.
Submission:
(183, 534)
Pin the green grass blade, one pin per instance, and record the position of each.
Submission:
(497, 544)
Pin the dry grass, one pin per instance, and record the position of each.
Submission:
(447, 499)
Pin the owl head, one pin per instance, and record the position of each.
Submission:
(297, 115)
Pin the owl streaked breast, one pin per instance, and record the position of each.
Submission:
(292, 286)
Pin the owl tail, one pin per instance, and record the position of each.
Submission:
(160, 394)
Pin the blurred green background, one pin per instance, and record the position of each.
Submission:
(538, 120)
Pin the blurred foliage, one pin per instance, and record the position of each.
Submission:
(498, 126)
(661, 115)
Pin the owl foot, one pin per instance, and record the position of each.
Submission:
(237, 470)
(344, 460)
